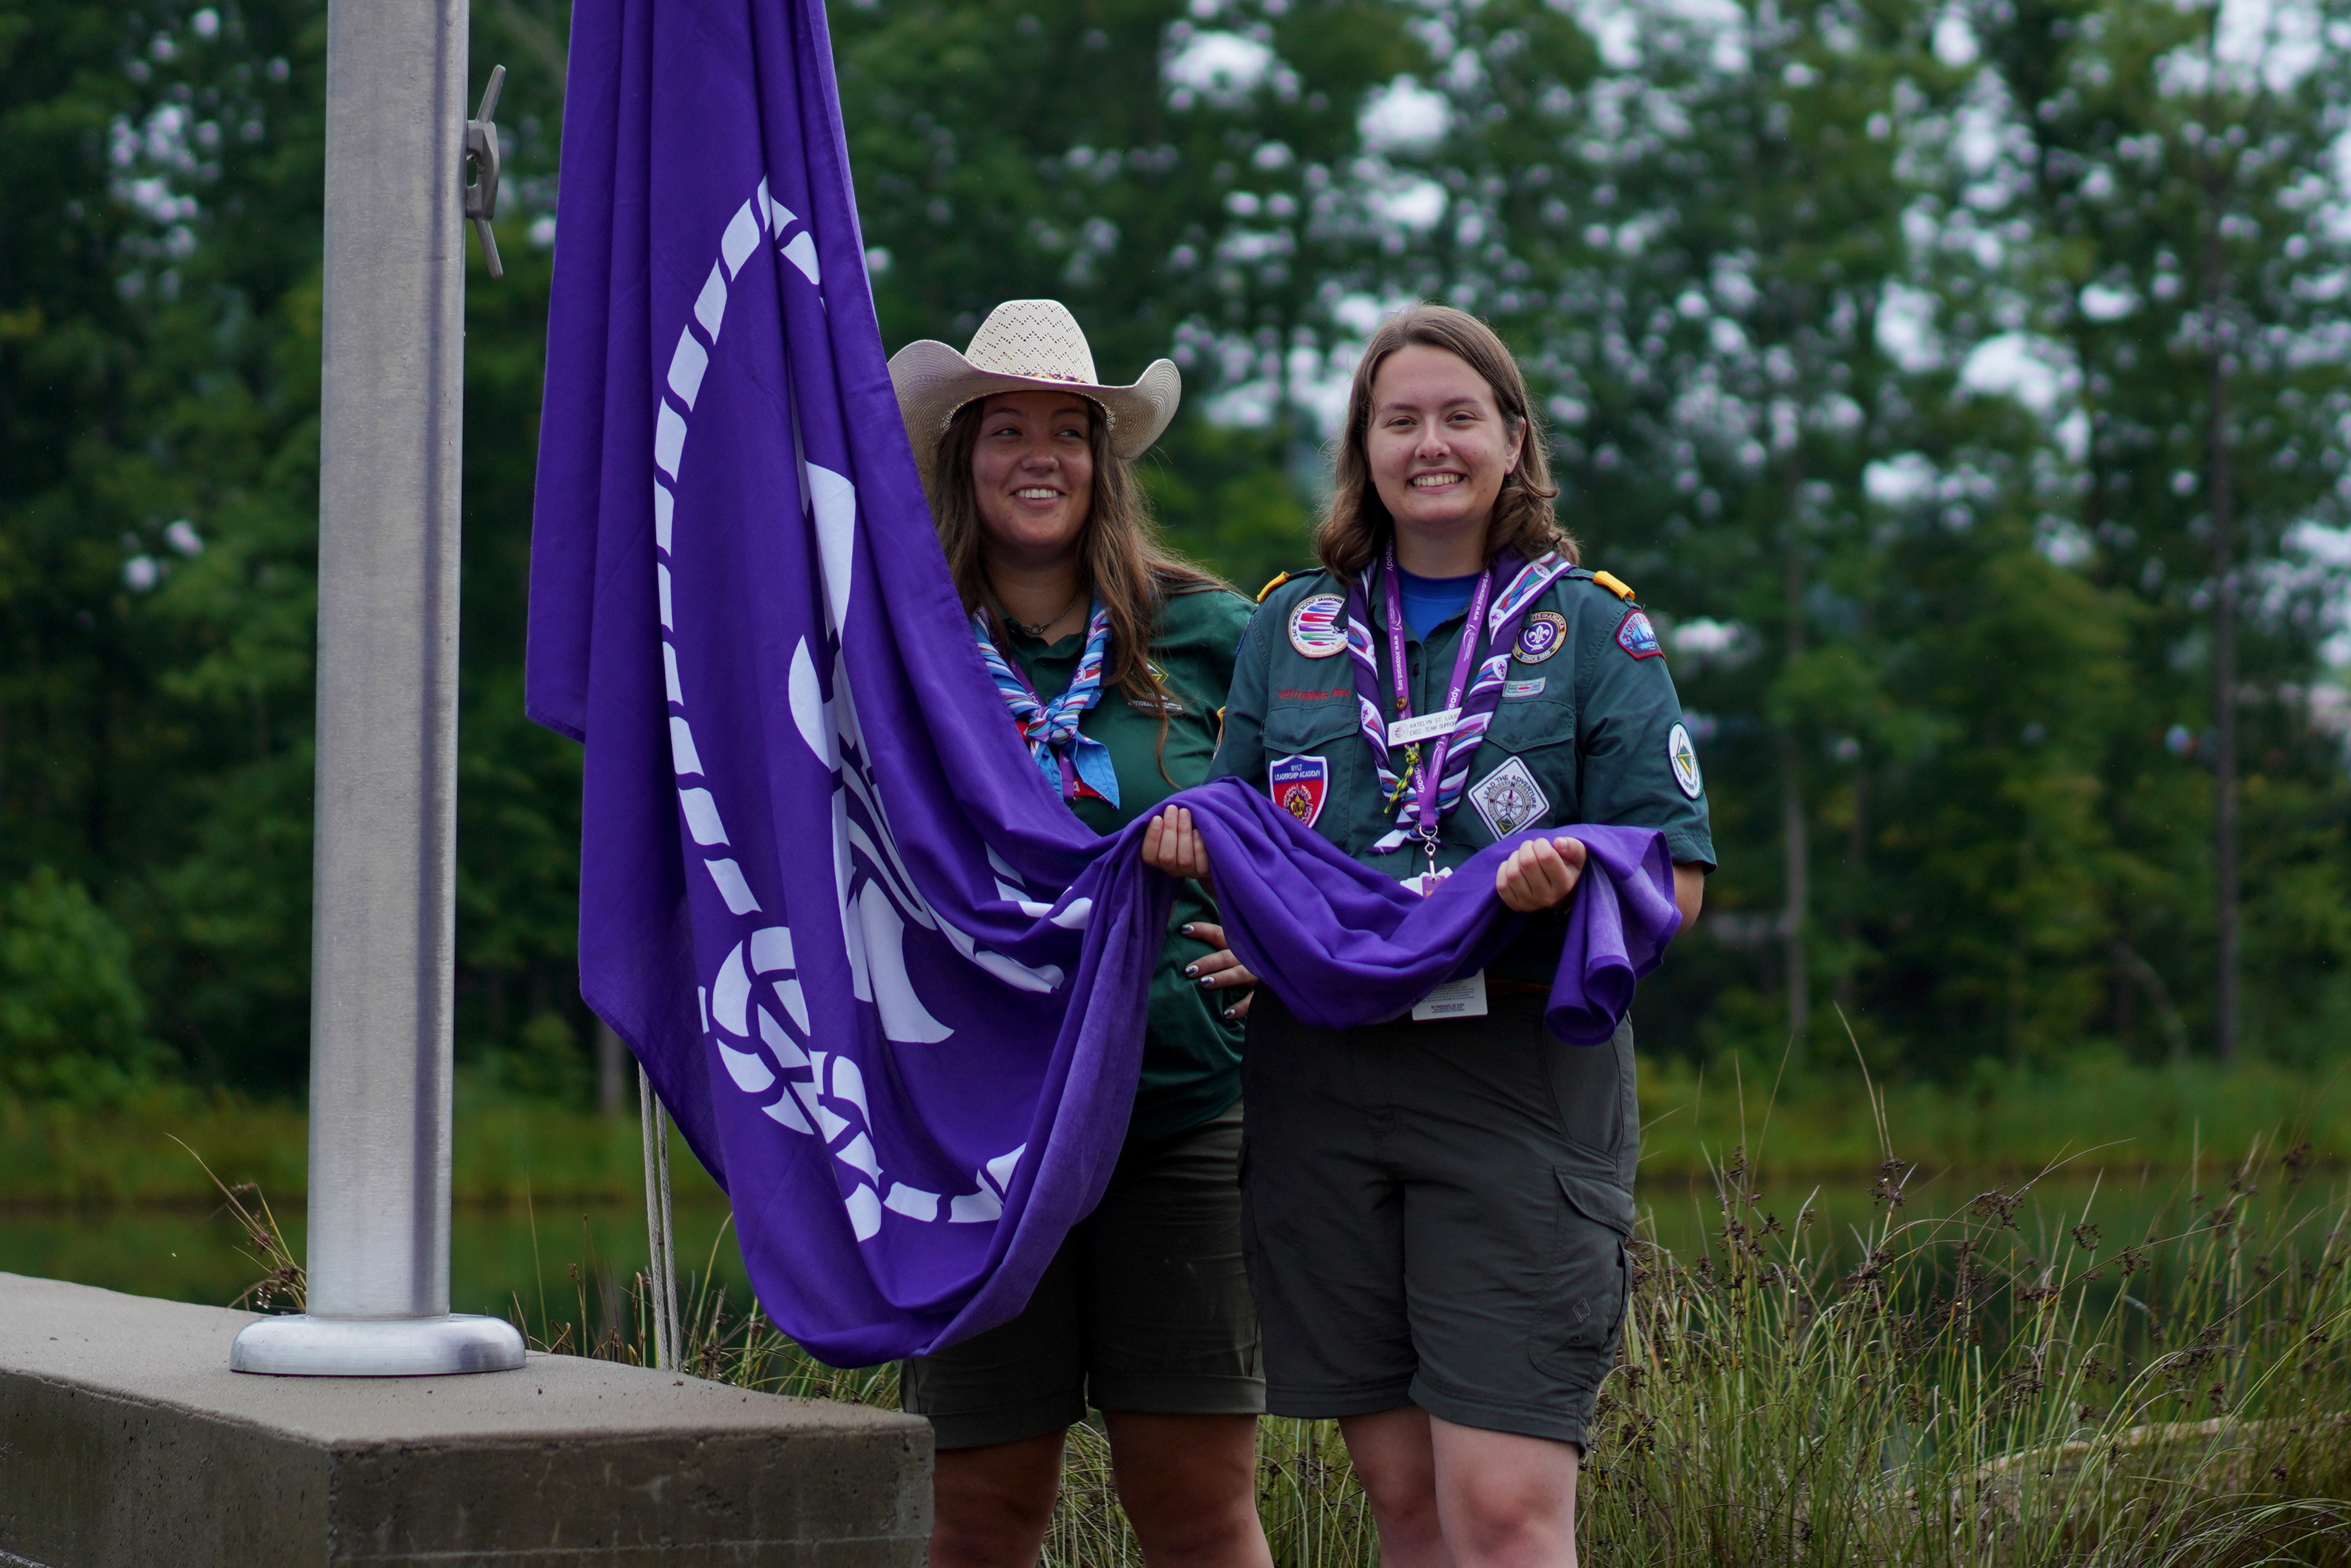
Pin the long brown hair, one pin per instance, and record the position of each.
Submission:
(1356, 525)
(1120, 557)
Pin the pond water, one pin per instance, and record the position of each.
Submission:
(543, 1257)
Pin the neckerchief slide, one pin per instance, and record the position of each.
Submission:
(1051, 728)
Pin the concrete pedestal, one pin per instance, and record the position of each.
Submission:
(126, 1442)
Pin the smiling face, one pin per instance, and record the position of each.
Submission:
(1438, 449)
(1033, 474)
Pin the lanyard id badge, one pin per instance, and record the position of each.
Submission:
(1438, 727)
(1424, 762)
(1461, 998)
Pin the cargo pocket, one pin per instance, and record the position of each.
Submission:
(1578, 1326)
(1594, 1090)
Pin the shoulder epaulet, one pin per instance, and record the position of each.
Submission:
(1613, 583)
(1278, 578)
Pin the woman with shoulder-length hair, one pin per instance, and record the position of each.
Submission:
(1112, 657)
(1436, 1207)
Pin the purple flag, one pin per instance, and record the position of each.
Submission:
(890, 987)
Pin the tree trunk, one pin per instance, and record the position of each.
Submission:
(2140, 975)
(612, 1074)
(1857, 856)
(2224, 633)
(1792, 917)
(1795, 841)
(2225, 725)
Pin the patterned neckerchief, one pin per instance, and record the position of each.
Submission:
(1400, 794)
(1051, 728)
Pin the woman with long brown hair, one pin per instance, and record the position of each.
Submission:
(1437, 1206)
(1112, 657)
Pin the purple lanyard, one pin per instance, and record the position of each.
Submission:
(1463, 663)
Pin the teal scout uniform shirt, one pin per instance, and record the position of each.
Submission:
(1586, 732)
(1191, 1056)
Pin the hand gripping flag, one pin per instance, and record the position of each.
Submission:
(892, 988)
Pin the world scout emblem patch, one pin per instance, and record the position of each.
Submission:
(1543, 634)
(1314, 626)
(1298, 786)
(1637, 637)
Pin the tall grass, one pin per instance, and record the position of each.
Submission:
(1970, 1395)
(1966, 1393)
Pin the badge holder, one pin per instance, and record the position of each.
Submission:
(1428, 837)
(1461, 998)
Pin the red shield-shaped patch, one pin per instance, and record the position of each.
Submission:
(1299, 785)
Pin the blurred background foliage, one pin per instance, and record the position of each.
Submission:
(1962, 384)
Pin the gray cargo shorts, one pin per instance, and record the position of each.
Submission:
(1436, 1213)
(1143, 1309)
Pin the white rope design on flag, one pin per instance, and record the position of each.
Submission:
(823, 1095)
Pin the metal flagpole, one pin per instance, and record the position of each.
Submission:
(382, 930)
(661, 1269)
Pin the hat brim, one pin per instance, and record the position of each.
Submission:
(933, 381)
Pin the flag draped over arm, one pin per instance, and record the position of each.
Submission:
(892, 991)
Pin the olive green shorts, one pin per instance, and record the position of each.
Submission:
(1436, 1214)
(1145, 1308)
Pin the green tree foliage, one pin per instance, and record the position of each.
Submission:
(158, 449)
(518, 785)
(1790, 279)
(1194, 198)
(1963, 388)
(2186, 252)
(72, 1015)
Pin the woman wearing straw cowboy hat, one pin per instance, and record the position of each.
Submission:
(1112, 657)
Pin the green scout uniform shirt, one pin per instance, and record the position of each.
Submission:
(1591, 722)
(1191, 1056)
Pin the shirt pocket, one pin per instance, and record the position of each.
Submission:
(1525, 773)
(1314, 757)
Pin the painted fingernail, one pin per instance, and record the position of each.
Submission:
(1187, 930)
(1190, 970)
(1231, 1014)
(1208, 980)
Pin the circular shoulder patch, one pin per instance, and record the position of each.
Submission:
(1316, 627)
(1542, 634)
(1683, 758)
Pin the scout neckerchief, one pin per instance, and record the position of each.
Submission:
(1073, 763)
(1452, 733)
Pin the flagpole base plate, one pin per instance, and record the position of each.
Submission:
(304, 1346)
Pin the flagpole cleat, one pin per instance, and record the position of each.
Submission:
(480, 173)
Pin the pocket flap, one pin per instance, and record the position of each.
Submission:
(1601, 1202)
(1290, 730)
(1528, 724)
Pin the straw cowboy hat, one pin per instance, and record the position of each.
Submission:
(1027, 345)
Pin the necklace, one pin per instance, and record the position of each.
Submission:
(1039, 629)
